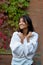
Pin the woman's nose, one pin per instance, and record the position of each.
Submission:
(21, 22)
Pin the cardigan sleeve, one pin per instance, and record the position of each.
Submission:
(15, 44)
(31, 46)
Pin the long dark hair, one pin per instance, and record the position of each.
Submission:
(27, 19)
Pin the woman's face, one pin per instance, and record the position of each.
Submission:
(22, 24)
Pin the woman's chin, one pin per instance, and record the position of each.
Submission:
(21, 28)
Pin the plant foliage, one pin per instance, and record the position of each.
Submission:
(10, 11)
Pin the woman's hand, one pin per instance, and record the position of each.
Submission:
(28, 36)
(21, 37)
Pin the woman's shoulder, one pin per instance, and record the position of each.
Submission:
(35, 36)
(15, 33)
(35, 33)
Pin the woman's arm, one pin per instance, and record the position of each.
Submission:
(31, 46)
(15, 44)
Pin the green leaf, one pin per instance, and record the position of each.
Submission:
(21, 1)
(25, 4)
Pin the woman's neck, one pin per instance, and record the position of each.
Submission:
(25, 31)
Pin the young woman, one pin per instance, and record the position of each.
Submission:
(24, 42)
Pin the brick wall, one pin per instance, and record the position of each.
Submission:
(5, 59)
(36, 14)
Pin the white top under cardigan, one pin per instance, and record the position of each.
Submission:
(23, 53)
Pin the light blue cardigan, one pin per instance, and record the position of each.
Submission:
(23, 53)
